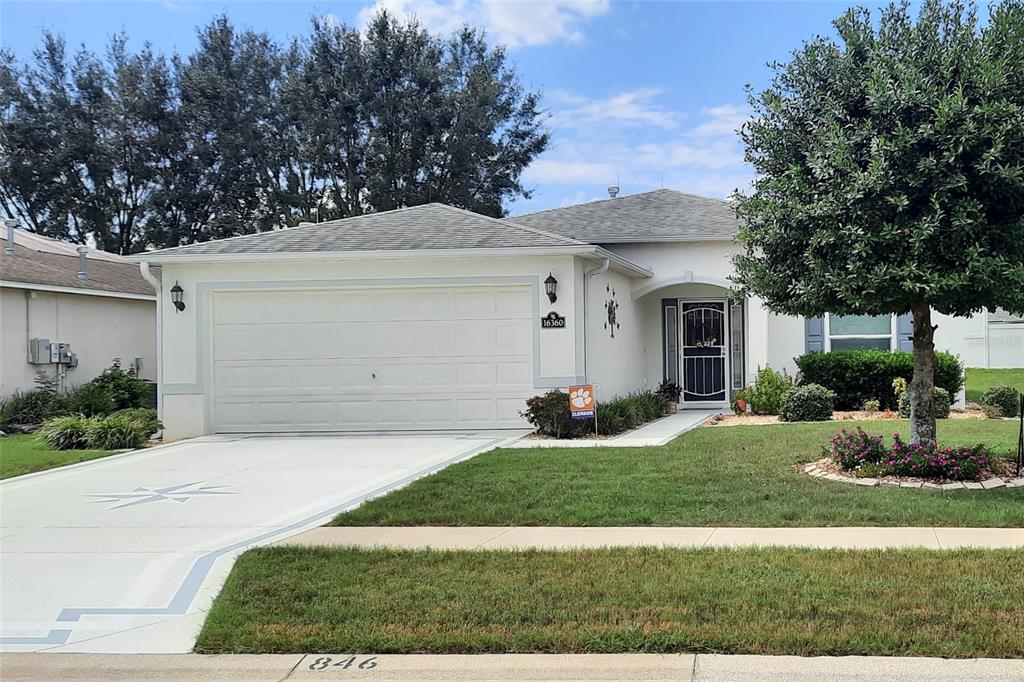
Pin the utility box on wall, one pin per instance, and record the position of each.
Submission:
(39, 352)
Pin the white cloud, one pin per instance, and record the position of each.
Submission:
(705, 157)
(515, 24)
(632, 107)
(722, 120)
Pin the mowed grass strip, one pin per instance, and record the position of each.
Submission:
(25, 454)
(721, 476)
(964, 603)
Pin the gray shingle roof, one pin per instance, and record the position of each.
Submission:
(429, 226)
(35, 261)
(659, 215)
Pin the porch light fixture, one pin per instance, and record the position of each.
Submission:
(551, 287)
(177, 294)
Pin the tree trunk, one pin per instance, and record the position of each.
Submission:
(922, 386)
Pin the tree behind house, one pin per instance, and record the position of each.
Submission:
(243, 135)
(891, 175)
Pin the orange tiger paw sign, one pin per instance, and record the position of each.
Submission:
(581, 402)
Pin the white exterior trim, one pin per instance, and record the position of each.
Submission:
(893, 335)
(594, 252)
(75, 290)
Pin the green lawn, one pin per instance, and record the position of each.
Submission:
(23, 454)
(978, 380)
(722, 476)
(963, 603)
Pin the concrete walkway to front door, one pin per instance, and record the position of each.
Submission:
(126, 553)
(658, 432)
(533, 537)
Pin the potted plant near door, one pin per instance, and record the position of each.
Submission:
(739, 401)
(670, 391)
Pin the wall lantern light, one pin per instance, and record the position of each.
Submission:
(551, 287)
(177, 294)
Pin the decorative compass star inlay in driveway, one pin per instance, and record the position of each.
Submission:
(182, 492)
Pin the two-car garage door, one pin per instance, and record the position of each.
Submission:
(371, 359)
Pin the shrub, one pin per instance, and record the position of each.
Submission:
(872, 405)
(146, 416)
(929, 461)
(992, 411)
(808, 403)
(123, 389)
(852, 449)
(1005, 398)
(32, 407)
(93, 400)
(941, 404)
(115, 432)
(65, 433)
(549, 414)
(860, 375)
(769, 391)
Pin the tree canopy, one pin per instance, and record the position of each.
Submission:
(891, 167)
(138, 150)
(890, 170)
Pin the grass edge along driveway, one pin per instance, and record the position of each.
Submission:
(713, 476)
(959, 603)
(25, 454)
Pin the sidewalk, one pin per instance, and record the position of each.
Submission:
(658, 432)
(642, 667)
(491, 537)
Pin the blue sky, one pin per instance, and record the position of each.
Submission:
(646, 94)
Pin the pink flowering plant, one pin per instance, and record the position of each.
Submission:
(852, 449)
(930, 461)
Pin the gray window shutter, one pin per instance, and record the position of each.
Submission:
(904, 331)
(814, 334)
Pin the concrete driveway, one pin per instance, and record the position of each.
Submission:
(126, 554)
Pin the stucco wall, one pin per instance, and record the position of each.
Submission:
(98, 328)
(186, 342)
(616, 358)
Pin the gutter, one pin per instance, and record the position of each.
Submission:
(584, 250)
(158, 287)
(587, 276)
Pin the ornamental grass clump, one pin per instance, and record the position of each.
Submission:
(853, 449)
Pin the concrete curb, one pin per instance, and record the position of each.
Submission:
(643, 667)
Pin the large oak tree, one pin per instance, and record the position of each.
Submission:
(890, 174)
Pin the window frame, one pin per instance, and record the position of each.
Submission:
(893, 334)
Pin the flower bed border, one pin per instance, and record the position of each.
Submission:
(815, 470)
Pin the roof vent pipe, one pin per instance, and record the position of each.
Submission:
(613, 191)
(10, 223)
(82, 274)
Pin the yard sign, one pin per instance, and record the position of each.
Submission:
(581, 402)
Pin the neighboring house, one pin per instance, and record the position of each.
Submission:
(100, 308)
(438, 318)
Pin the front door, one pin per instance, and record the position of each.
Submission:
(704, 351)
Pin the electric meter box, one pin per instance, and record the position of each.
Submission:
(39, 351)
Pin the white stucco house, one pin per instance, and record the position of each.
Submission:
(438, 318)
(95, 306)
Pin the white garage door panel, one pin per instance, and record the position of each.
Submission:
(369, 359)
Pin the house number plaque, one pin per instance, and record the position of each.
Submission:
(552, 321)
